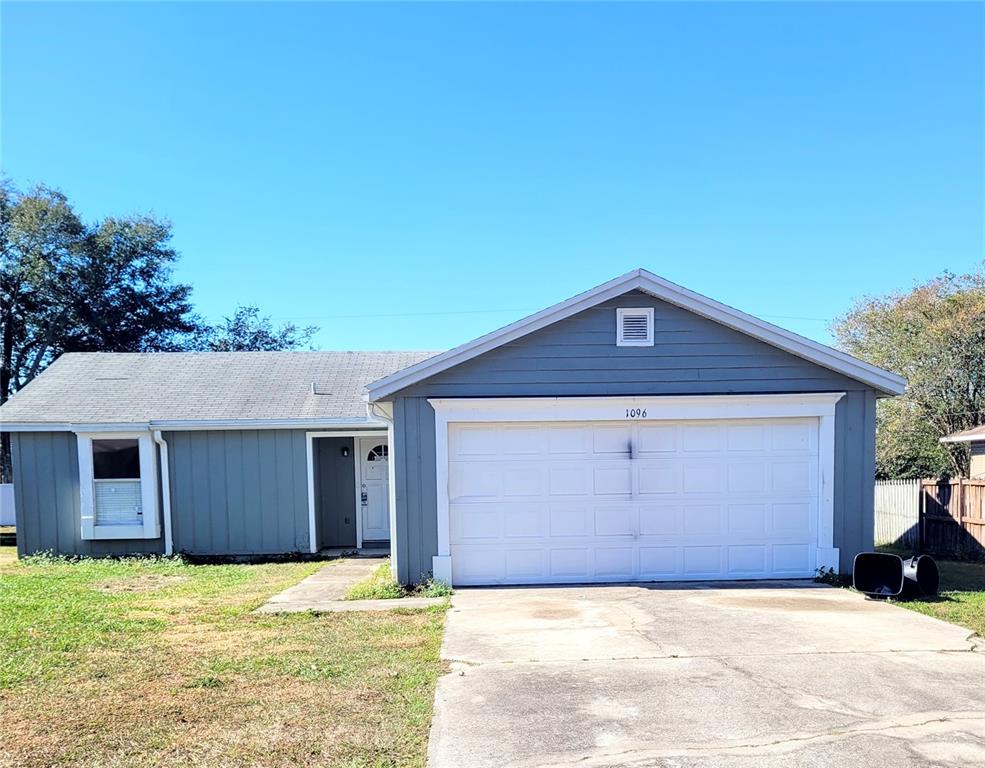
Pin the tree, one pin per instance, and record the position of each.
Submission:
(66, 286)
(933, 335)
(246, 330)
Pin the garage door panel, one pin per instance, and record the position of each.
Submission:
(792, 558)
(793, 477)
(658, 478)
(569, 441)
(702, 560)
(476, 521)
(473, 480)
(571, 520)
(524, 480)
(701, 437)
(642, 501)
(615, 521)
(740, 438)
(524, 521)
(748, 560)
(522, 441)
(570, 563)
(659, 562)
(613, 479)
(661, 520)
(614, 563)
(703, 519)
(702, 477)
(794, 436)
(524, 564)
(747, 519)
(608, 441)
(657, 440)
(570, 480)
(793, 518)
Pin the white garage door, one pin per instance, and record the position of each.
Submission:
(644, 501)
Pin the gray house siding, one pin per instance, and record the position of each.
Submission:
(242, 492)
(577, 356)
(47, 500)
(335, 495)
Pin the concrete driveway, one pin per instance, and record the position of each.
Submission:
(717, 675)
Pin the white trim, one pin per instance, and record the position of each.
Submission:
(191, 426)
(150, 529)
(642, 280)
(309, 439)
(621, 313)
(162, 446)
(977, 438)
(820, 405)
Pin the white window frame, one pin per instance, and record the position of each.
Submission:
(666, 407)
(621, 313)
(150, 529)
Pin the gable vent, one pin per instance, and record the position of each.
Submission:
(634, 327)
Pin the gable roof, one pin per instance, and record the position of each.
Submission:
(163, 389)
(640, 279)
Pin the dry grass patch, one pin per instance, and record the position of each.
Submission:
(184, 674)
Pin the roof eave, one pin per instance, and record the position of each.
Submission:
(185, 425)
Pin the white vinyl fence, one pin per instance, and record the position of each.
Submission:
(898, 512)
(6, 504)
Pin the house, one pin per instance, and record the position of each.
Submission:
(976, 443)
(636, 432)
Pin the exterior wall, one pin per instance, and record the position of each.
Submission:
(335, 491)
(578, 357)
(47, 500)
(978, 461)
(239, 492)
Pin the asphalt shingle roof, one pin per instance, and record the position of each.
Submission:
(117, 387)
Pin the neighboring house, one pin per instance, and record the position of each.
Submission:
(636, 432)
(976, 442)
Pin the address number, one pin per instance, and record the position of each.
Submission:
(636, 413)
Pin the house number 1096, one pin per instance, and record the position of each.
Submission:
(636, 413)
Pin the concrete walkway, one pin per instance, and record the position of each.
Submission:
(324, 591)
(707, 676)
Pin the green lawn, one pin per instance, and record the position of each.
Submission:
(962, 598)
(159, 663)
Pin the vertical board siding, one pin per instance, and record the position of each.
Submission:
(578, 357)
(416, 490)
(335, 491)
(239, 492)
(48, 501)
(897, 512)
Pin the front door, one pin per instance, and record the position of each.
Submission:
(374, 480)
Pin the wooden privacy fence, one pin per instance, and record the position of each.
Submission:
(952, 517)
(897, 513)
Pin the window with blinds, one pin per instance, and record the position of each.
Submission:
(117, 494)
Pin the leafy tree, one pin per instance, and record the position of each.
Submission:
(246, 330)
(66, 286)
(933, 335)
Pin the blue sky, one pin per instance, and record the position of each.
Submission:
(411, 176)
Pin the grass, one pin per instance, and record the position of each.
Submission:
(382, 586)
(160, 663)
(962, 597)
